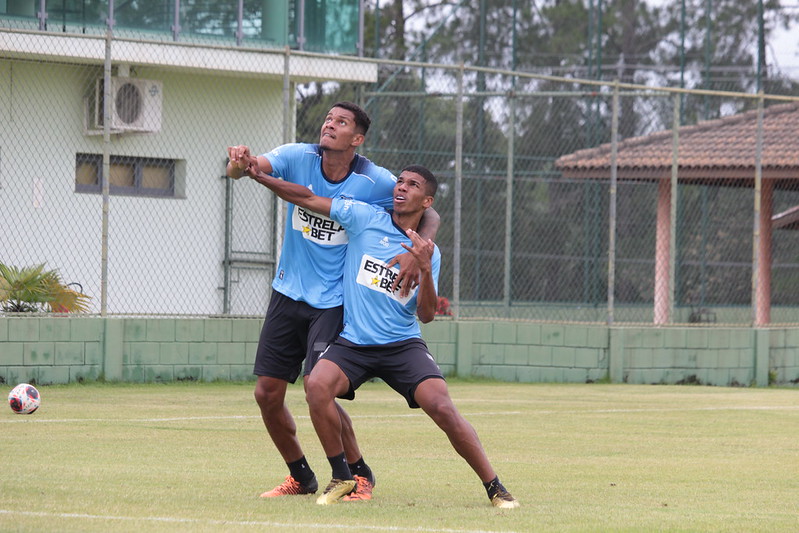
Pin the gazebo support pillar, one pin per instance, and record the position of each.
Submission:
(663, 254)
(763, 292)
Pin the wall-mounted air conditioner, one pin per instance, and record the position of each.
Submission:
(135, 105)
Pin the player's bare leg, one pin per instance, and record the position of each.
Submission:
(433, 397)
(325, 382)
(364, 477)
(351, 449)
(270, 394)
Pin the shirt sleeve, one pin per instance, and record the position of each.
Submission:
(351, 214)
(436, 263)
(282, 158)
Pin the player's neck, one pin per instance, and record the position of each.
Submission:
(336, 165)
(407, 220)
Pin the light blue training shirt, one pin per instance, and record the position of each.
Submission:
(311, 260)
(372, 313)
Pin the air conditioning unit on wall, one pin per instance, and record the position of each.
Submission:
(135, 105)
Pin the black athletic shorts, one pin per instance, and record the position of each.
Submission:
(294, 332)
(403, 365)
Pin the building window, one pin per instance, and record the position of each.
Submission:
(129, 176)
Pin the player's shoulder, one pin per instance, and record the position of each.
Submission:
(295, 149)
(346, 203)
(347, 208)
(365, 167)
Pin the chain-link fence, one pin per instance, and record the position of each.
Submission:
(561, 199)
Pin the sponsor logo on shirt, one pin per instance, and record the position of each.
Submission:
(375, 275)
(318, 228)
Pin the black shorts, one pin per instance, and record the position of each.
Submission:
(294, 332)
(403, 365)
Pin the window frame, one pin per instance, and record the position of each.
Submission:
(138, 163)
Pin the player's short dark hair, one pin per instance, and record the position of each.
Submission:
(429, 177)
(362, 120)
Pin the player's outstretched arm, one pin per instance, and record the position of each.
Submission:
(426, 298)
(292, 192)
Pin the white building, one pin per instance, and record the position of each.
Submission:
(182, 239)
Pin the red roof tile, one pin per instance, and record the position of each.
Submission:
(724, 148)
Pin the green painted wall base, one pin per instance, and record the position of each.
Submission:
(64, 349)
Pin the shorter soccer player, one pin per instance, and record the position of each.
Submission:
(381, 336)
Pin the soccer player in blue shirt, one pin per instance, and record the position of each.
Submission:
(381, 336)
(305, 309)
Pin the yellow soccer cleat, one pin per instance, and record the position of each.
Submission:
(336, 489)
(503, 500)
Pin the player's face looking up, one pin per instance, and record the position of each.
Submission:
(339, 131)
(410, 193)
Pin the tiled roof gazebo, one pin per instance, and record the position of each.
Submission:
(719, 152)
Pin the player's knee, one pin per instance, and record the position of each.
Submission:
(442, 411)
(268, 397)
(316, 392)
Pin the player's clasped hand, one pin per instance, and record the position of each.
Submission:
(240, 157)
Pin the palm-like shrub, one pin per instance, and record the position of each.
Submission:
(34, 290)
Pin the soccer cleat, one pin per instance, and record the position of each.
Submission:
(336, 489)
(502, 499)
(362, 492)
(291, 487)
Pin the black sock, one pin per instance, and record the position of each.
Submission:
(493, 486)
(360, 468)
(300, 471)
(339, 466)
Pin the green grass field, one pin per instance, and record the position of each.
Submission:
(194, 457)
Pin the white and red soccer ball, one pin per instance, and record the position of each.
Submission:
(24, 399)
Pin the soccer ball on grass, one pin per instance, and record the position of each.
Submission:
(24, 399)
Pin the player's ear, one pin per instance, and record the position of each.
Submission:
(358, 139)
(428, 201)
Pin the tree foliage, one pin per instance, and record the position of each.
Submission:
(559, 228)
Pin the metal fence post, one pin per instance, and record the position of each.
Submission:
(176, 21)
(287, 118)
(509, 203)
(456, 245)
(228, 245)
(614, 168)
(675, 166)
(107, 95)
(239, 22)
(288, 136)
(42, 15)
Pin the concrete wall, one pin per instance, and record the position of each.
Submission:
(65, 349)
